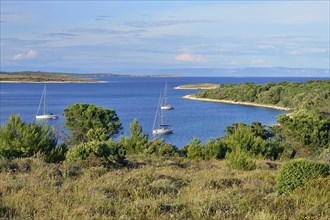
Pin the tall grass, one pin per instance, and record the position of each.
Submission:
(153, 188)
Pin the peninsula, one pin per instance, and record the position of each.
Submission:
(56, 77)
(198, 86)
(236, 102)
(42, 77)
(287, 96)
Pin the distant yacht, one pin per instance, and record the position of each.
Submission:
(45, 115)
(159, 126)
(164, 105)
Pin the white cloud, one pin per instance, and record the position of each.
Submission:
(257, 62)
(31, 54)
(18, 56)
(234, 63)
(294, 52)
(308, 50)
(28, 55)
(188, 57)
(266, 46)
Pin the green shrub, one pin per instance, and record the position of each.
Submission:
(137, 142)
(309, 131)
(195, 150)
(253, 139)
(157, 147)
(215, 149)
(56, 154)
(107, 151)
(183, 151)
(296, 173)
(19, 139)
(313, 198)
(240, 160)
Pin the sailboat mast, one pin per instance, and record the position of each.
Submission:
(45, 99)
(165, 93)
(158, 106)
(161, 118)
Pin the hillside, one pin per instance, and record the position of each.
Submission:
(313, 95)
(253, 172)
(151, 188)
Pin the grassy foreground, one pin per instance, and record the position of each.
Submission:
(153, 188)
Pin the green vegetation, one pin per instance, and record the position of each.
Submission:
(306, 132)
(238, 159)
(106, 152)
(153, 188)
(41, 77)
(88, 122)
(137, 142)
(295, 173)
(247, 174)
(19, 139)
(312, 96)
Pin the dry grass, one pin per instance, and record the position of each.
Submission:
(151, 188)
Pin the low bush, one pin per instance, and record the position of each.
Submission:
(313, 198)
(107, 151)
(195, 150)
(215, 149)
(157, 147)
(296, 173)
(240, 160)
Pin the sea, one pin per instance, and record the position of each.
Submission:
(137, 97)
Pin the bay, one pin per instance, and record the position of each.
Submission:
(137, 97)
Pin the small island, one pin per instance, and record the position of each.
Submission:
(198, 86)
(36, 77)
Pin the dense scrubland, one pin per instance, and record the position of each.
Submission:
(311, 97)
(253, 172)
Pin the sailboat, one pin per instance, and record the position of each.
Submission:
(159, 121)
(164, 105)
(44, 115)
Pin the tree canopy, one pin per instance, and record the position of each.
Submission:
(87, 122)
(19, 139)
(312, 96)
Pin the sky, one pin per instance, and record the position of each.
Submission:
(109, 36)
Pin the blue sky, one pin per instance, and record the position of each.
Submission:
(106, 36)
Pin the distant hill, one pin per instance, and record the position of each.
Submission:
(27, 76)
(51, 76)
(215, 72)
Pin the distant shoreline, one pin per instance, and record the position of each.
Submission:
(53, 81)
(199, 86)
(236, 103)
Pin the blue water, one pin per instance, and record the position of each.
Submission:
(137, 97)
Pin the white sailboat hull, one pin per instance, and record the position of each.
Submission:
(164, 105)
(50, 116)
(45, 115)
(167, 107)
(167, 130)
(161, 128)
